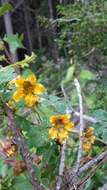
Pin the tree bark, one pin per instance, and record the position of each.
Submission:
(52, 34)
(27, 25)
(9, 31)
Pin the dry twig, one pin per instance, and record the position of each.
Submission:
(81, 124)
(97, 160)
(61, 166)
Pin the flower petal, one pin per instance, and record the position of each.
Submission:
(69, 126)
(62, 135)
(54, 119)
(14, 80)
(31, 100)
(87, 147)
(92, 139)
(19, 82)
(65, 118)
(32, 79)
(53, 133)
(39, 88)
(18, 95)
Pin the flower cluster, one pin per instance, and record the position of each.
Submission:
(61, 127)
(28, 89)
(88, 139)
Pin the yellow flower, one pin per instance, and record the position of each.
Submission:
(28, 89)
(88, 139)
(92, 139)
(31, 100)
(62, 135)
(87, 147)
(60, 119)
(53, 133)
(90, 131)
(61, 127)
(69, 126)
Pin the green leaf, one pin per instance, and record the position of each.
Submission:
(37, 136)
(90, 101)
(23, 123)
(104, 135)
(5, 8)
(87, 75)
(14, 41)
(98, 130)
(3, 168)
(2, 58)
(37, 172)
(7, 75)
(100, 115)
(27, 72)
(53, 104)
(21, 182)
(7, 95)
(45, 181)
(69, 75)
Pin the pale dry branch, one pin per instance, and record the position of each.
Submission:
(94, 162)
(61, 166)
(81, 124)
(86, 117)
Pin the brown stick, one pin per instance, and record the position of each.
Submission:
(22, 147)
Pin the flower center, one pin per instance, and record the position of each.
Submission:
(28, 87)
(59, 122)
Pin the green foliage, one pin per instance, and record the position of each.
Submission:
(6, 76)
(81, 43)
(84, 40)
(87, 75)
(101, 126)
(34, 125)
(69, 75)
(89, 31)
(21, 182)
(5, 8)
(14, 41)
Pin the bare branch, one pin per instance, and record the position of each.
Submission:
(86, 117)
(92, 162)
(75, 113)
(97, 160)
(81, 124)
(63, 149)
(65, 20)
(22, 147)
(73, 178)
(61, 166)
(90, 174)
